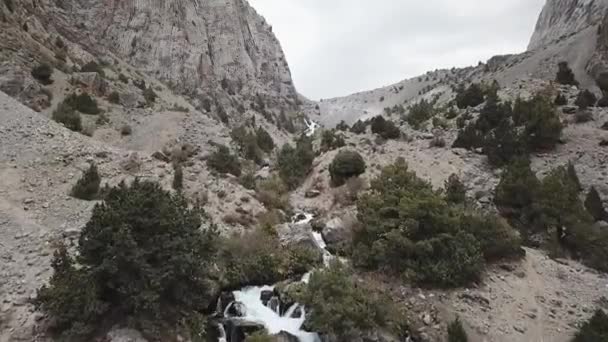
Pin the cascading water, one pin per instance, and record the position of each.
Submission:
(252, 308)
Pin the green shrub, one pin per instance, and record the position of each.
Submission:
(385, 128)
(331, 141)
(342, 126)
(593, 204)
(469, 137)
(260, 336)
(150, 96)
(247, 180)
(67, 116)
(410, 229)
(223, 161)
(126, 130)
(114, 97)
(295, 163)
(264, 140)
(420, 113)
(122, 78)
(247, 143)
(359, 127)
(594, 330)
(87, 186)
(92, 66)
(472, 96)
(573, 175)
(504, 144)
(560, 100)
(543, 126)
(346, 164)
(455, 190)
(257, 258)
(43, 73)
(456, 332)
(178, 177)
(83, 103)
(585, 99)
(142, 258)
(9, 5)
(342, 309)
(517, 192)
(583, 116)
(565, 74)
(493, 114)
(273, 193)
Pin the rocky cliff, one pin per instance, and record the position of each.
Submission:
(562, 18)
(197, 47)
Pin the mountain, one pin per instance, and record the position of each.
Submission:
(199, 48)
(575, 31)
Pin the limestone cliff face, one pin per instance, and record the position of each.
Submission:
(562, 18)
(196, 46)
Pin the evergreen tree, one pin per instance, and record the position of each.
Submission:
(593, 204)
(456, 332)
(178, 177)
(87, 186)
(455, 190)
(565, 74)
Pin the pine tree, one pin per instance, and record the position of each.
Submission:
(456, 332)
(178, 177)
(87, 186)
(593, 204)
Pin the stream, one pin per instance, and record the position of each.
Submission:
(259, 305)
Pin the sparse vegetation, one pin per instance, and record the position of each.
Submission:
(585, 99)
(223, 161)
(593, 204)
(353, 310)
(456, 332)
(472, 96)
(150, 96)
(331, 141)
(92, 66)
(178, 177)
(594, 330)
(565, 75)
(43, 73)
(273, 193)
(342, 126)
(126, 130)
(420, 113)
(560, 100)
(264, 140)
(123, 78)
(359, 127)
(346, 164)
(67, 116)
(295, 163)
(455, 190)
(385, 128)
(114, 97)
(87, 187)
(83, 103)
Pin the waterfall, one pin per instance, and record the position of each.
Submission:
(249, 306)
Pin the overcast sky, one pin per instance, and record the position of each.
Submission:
(338, 47)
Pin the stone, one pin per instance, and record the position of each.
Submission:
(569, 109)
(312, 193)
(237, 329)
(284, 336)
(161, 156)
(266, 295)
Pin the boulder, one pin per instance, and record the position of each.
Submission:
(224, 299)
(284, 336)
(312, 193)
(296, 234)
(569, 109)
(237, 329)
(236, 309)
(338, 231)
(266, 295)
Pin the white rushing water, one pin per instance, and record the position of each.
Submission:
(311, 127)
(255, 310)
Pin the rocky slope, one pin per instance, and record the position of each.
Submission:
(567, 30)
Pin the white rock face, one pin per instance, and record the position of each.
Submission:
(199, 47)
(562, 18)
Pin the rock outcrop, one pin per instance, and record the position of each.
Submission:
(202, 48)
(562, 18)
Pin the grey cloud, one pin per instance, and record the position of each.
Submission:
(337, 47)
